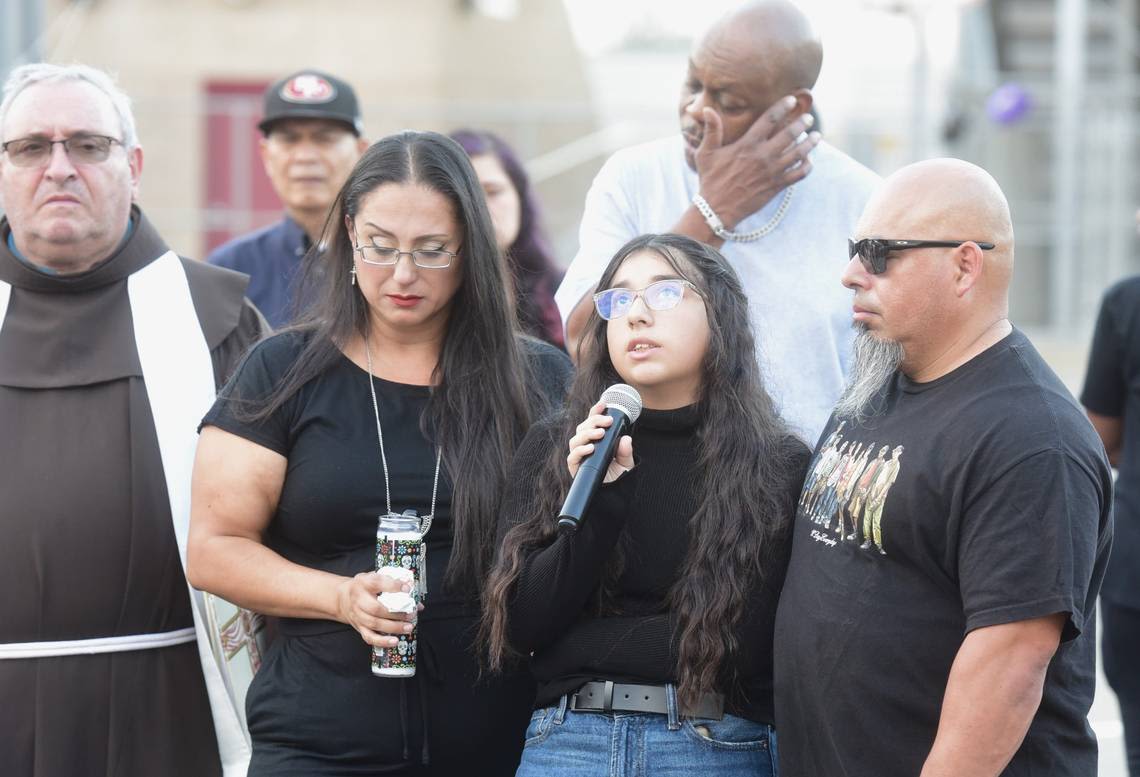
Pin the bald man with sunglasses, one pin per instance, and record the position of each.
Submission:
(959, 637)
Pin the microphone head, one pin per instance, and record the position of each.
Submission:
(624, 398)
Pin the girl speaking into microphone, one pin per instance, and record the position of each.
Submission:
(650, 626)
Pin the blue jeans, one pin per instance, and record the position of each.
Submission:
(561, 742)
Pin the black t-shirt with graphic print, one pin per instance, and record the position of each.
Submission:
(979, 498)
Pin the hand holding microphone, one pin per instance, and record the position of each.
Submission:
(585, 439)
(600, 450)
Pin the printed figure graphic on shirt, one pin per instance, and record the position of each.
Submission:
(837, 435)
(843, 487)
(821, 470)
(872, 518)
(825, 482)
(831, 493)
(827, 455)
(856, 458)
(828, 460)
(858, 500)
(849, 487)
(851, 484)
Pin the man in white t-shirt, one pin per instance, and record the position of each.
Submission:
(737, 177)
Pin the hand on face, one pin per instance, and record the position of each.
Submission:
(741, 176)
(589, 432)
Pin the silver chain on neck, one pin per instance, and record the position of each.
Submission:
(425, 521)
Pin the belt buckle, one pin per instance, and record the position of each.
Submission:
(608, 698)
(607, 704)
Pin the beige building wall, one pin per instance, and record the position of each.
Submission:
(423, 64)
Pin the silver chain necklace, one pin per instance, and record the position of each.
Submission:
(425, 521)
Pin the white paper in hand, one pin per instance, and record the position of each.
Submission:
(399, 573)
(398, 601)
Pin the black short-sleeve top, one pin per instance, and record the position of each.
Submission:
(334, 487)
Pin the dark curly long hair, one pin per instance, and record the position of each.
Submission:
(747, 462)
(479, 409)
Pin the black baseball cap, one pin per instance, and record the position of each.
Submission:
(311, 94)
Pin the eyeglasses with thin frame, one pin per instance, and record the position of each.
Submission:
(83, 148)
(661, 295)
(379, 256)
(873, 251)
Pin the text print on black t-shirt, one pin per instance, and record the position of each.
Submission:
(847, 489)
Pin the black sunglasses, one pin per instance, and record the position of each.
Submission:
(873, 251)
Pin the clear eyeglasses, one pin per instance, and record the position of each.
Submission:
(662, 295)
(387, 257)
(84, 148)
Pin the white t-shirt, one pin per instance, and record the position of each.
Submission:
(801, 312)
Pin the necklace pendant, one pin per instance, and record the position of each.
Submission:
(424, 526)
(423, 572)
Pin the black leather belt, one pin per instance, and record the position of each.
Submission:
(617, 697)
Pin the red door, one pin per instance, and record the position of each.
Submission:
(238, 197)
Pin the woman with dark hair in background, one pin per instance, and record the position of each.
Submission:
(405, 388)
(651, 626)
(518, 231)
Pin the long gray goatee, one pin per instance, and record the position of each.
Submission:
(875, 362)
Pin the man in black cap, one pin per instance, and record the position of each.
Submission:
(312, 137)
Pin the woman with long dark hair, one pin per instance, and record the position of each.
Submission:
(406, 389)
(518, 231)
(650, 628)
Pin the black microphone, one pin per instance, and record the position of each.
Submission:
(623, 404)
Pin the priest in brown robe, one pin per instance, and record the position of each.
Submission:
(109, 345)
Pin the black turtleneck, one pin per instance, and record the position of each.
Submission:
(646, 512)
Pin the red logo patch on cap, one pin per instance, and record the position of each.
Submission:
(308, 88)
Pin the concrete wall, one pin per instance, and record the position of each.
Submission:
(424, 64)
